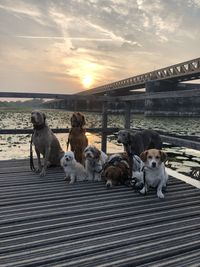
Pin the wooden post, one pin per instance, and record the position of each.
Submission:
(127, 119)
(104, 126)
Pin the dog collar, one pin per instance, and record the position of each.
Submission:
(39, 127)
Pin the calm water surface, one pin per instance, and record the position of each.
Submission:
(17, 146)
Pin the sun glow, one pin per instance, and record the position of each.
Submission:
(87, 81)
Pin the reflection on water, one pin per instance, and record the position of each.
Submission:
(17, 146)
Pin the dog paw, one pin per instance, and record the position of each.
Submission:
(143, 191)
(160, 195)
(42, 173)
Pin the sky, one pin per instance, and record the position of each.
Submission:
(66, 46)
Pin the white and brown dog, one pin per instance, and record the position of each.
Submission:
(46, 143)
(94, 161)
(74, 171)
(154, 171)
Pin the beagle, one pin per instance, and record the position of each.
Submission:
(154, 171)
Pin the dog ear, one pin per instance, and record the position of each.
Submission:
(97, 153)
(143, 155)
(44, 117)
(82, 122)
(163, 156)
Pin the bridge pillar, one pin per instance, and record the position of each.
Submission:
(171, 106)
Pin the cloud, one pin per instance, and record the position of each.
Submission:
(110, 39)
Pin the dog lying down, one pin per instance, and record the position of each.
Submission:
(117, 169)
(154, 173)
(74, 171)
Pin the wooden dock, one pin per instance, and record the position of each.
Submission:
(45, 222)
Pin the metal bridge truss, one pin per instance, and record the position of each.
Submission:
(185, 71)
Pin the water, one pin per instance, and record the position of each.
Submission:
(180, 159)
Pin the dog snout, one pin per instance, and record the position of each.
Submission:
(108, 184)
(153, 164)
(119, 141)
(32, 119)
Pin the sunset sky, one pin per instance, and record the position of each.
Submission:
(65, 46)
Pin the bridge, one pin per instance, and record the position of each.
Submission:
(185, 71)
(163, 85)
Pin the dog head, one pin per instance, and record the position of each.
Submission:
(153, 158)
(116, 175)
(68, 159)
(123, 137)
(38, 118)
(91, 152)
(116, 170)
(77, 120)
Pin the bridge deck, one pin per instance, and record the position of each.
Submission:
(45, 222)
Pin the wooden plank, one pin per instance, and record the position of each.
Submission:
(45, 222)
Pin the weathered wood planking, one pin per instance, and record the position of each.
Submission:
(45, 222)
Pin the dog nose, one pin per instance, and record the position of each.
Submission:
(153, 164)
(32, 119)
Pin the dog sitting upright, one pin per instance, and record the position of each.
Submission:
(73, 169)
(45, 141)
(77, 138)
(154, 171)
(94, 161)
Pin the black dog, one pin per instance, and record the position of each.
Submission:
(136, 143)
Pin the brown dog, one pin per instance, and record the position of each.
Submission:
(45, 142)
(77, 138)
(116, 170)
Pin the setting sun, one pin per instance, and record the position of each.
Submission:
(87, 81)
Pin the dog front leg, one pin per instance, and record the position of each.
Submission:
(72, 179)
(97, 176)
(159, 190)
(144, 190)
(47, 153)
(39, 160)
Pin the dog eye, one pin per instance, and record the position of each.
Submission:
(157, 157)
(149, 157)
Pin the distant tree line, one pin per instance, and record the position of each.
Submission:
(33, 103)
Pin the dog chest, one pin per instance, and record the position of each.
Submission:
(153, 176)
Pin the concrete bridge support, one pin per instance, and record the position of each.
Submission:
(189, 106)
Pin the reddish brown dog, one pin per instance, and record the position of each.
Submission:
(77, 138)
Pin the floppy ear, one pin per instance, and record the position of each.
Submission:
(44, 117)
(128, 136)
(72, 117)
(98, 153)
(143, 155)
(83, 120)
(163, 156)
